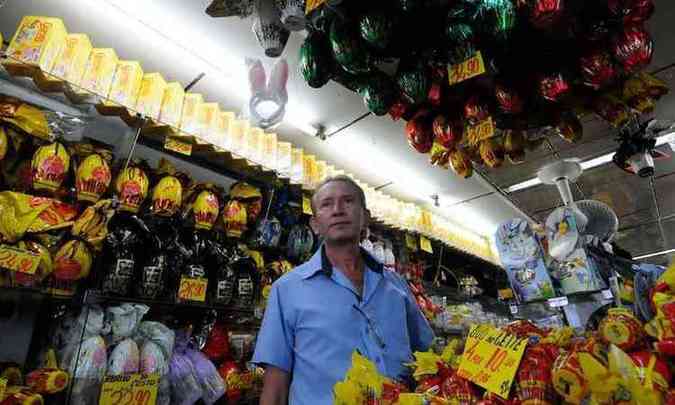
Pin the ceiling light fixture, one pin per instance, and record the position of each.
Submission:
(663, 252)
(587, 164)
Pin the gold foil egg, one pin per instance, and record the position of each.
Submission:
(167, 196)
(460, 163)
(72, 261)
(4, 143)
(234, 218)
(491, 152)
(49, 166)
(205, 210)
(92, 178)
(131, 187)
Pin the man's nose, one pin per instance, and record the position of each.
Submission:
(339, 208)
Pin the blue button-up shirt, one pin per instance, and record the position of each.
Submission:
(315, 319)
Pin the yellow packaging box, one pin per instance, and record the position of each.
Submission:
(283, 166)
(206, 117)
(222, 134)
(320, 172)
(150, 96)
(308, 171)
(72, 61)
(35, 45)
(253, 142)
(126, 84)
(188, 121)
(238, 130)
(172, 104)
(99, 72)
(297, 165)
(270, 151)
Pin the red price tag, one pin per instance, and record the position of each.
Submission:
(192, 289)
(18, 260)
(471, 67)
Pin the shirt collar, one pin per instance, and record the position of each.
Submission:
(319, 263)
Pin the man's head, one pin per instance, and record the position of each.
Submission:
(339, 207)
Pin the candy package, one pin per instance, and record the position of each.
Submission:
(185, 386)
(213, 386)
(124, 320)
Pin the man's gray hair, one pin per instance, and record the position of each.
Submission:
(345, 179)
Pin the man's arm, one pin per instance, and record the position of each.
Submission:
(275, 387)
(421, 334)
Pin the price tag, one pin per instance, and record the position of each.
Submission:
(425, 244)
(177, 146)
(411, 242)
(3, 386)
(558, 302)
(133, 389)
(192, 289)
(491, 358)
(306, 205)
(18, 260)
(471, 67)
(313, 4)
(514, 309)
(607, 294)
(481, 131)
(505, 293)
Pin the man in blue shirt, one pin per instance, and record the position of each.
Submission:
(340, 301)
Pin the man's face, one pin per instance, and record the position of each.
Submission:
(339, 214)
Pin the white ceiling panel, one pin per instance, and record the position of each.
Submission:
(178, 39)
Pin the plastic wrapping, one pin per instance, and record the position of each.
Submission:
(185, 387)
(213, 386)
(121, 248)
(125, 319)
(419, 132)
(267, 105)
(124, 359)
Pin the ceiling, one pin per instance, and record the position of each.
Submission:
(646, 212)
(177, 38)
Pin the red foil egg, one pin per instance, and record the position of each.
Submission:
(508, 99)
(553, 87)
(446, 131)
(474, 110)
(544, 13)
(597, 69)
(633, 48)
(631, 11)
(419, 132)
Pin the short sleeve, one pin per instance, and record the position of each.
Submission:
(274, 346)
(421, 334)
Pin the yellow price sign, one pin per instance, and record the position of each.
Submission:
(425, 244)
(411, 242)
(311, 5)
(306, 205)
(18, 260)
(177, 146)
(3, 387)
(192, 289)
(130, 389)
(481, 131)
(471, 67)
(491, 358)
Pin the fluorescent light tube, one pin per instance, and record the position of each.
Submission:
(663, 252)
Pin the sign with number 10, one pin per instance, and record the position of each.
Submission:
(491, 358)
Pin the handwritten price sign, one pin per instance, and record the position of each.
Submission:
(480, 132)
(471, 67)
(177, 146)
(19, 260)
(130, 389)
(491, 358)
(192, 289)
(425, 244)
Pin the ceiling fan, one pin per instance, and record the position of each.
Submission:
(637, 151)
